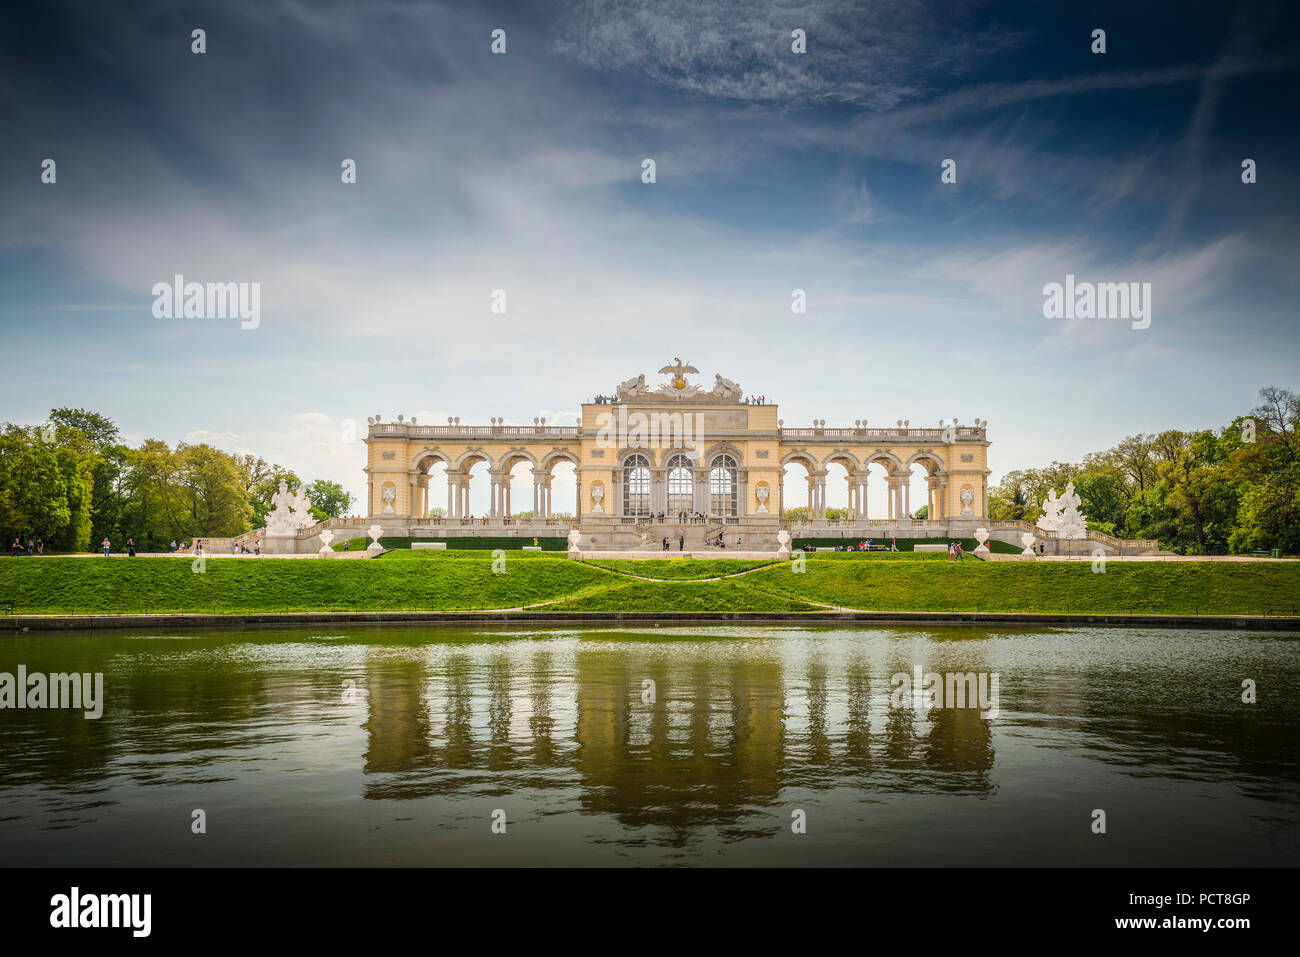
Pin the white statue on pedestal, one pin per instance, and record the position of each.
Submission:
(301, 505)
(597, 494)
(1073, 523)
(1051, 517)
(1028, 539)
(1062, 516)
(389, 496)
(982, 536)
(280, 521)
(761, 494)
(967, 496)
(326, 537)
(575, 539)
(374, 531)
(783, 544)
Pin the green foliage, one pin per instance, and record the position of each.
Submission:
(464, 580)
(1208, 492)
(328, 500)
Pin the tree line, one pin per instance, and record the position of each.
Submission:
(1216, 491)
(72, 482)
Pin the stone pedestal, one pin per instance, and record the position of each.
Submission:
(280, 545)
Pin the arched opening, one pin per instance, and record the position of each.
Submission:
(724, 488)
(839, 473)
(794, 490)
(681, 485)
(636, 486)
(875, 476)
(478, 486)
(432, 501)
(924, 486)
(560, 489)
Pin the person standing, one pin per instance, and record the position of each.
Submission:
(18, 548)
(107, 546)
(130, 547)
(40, 546)
(681, 542)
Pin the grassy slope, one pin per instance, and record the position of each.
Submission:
(465, 580)
(268, 584)
(678, 569)
(1194, 588)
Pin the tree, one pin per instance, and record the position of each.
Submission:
(213, 493)
(329, 500)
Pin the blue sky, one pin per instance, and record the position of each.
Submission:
(522, 172)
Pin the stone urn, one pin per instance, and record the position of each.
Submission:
(1028, 539)
(783, 544)
(982, 536)
(326, 537)
(374, 531)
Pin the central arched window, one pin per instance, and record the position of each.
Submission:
(681, 485)
(723, 487)
(636, 486)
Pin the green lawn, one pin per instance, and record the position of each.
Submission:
(465, 580)
(678, 569)
(1187, 588)
(118, 585)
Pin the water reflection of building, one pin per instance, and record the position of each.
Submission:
(726, 734)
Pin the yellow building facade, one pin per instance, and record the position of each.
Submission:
(712, 453)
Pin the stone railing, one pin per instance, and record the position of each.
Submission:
(927, 435)
(1130, 544)
(394, 429)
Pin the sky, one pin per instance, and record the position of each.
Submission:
(522, 171)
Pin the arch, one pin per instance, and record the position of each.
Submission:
(806, 459)
(426, 459)
(891, 462)
(636, 484)
(722, 448)
(927, 459)
(724, 486)
(679, 482)
(554, 456)
(845, 458)
(468, 460)
(512, 457)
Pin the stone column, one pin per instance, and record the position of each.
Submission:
(370, 497)
(700, 499)
(742, 492)
(780, 496)
(907, 497)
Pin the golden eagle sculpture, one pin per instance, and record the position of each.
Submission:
(678, 372)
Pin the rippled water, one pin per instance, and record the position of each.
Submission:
(382, 746)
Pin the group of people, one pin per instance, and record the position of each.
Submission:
(756, 400)
(684, 516)
(34, 547)
(107, 546)
(955, 553)
(716, 542)
(869, 545)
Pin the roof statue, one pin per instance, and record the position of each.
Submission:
(678, 388)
